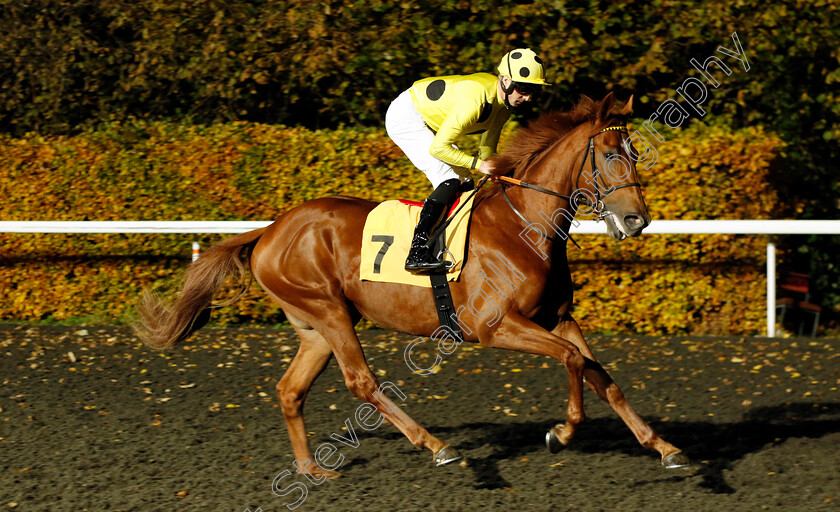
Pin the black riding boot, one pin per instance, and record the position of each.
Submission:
(420, 258)
(434, 210)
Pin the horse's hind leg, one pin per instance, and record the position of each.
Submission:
(600, 381)
(361, 381)
(311, 359)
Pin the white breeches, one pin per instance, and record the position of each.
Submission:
(407, 129)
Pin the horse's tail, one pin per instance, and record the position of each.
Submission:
(163, 323)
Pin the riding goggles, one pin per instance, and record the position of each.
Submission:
(527, 89)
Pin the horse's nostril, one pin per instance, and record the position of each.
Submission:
(633, 221)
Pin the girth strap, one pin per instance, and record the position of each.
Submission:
(443, 303)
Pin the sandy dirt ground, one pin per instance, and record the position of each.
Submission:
(90, 419)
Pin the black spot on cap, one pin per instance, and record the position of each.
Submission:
(435, 90)
(485, 112)
(524, 72)
(516, 55)
(539, 60)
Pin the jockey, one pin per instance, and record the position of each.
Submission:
(427, 119)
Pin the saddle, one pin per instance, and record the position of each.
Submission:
(387, 236)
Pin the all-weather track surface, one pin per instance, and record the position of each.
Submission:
(90, 419)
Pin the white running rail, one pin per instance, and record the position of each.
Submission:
(672, 227)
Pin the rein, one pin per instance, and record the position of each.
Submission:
(598, 205)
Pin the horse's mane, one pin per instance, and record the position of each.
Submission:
(531, 140)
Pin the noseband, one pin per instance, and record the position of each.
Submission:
(598, 205)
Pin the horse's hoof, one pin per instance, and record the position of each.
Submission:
(331, 474)
(447, 455)
(552, 440)
(676, 460)
(319, 473)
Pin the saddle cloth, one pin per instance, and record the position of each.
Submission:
(387, 236)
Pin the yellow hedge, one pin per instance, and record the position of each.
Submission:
(245, 171)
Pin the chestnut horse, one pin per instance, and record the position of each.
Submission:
(308, 261)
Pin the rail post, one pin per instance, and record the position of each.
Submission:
(771, 290)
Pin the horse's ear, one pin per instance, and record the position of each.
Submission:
(606, 106)
(628, 107)
(586, 103)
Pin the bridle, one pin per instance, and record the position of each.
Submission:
(598, 205)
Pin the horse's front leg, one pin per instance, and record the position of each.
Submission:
(600, 381)
(515, 332)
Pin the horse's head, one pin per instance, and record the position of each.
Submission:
(610, 173)
(580, 160)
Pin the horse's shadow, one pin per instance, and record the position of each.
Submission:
(719, 445)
